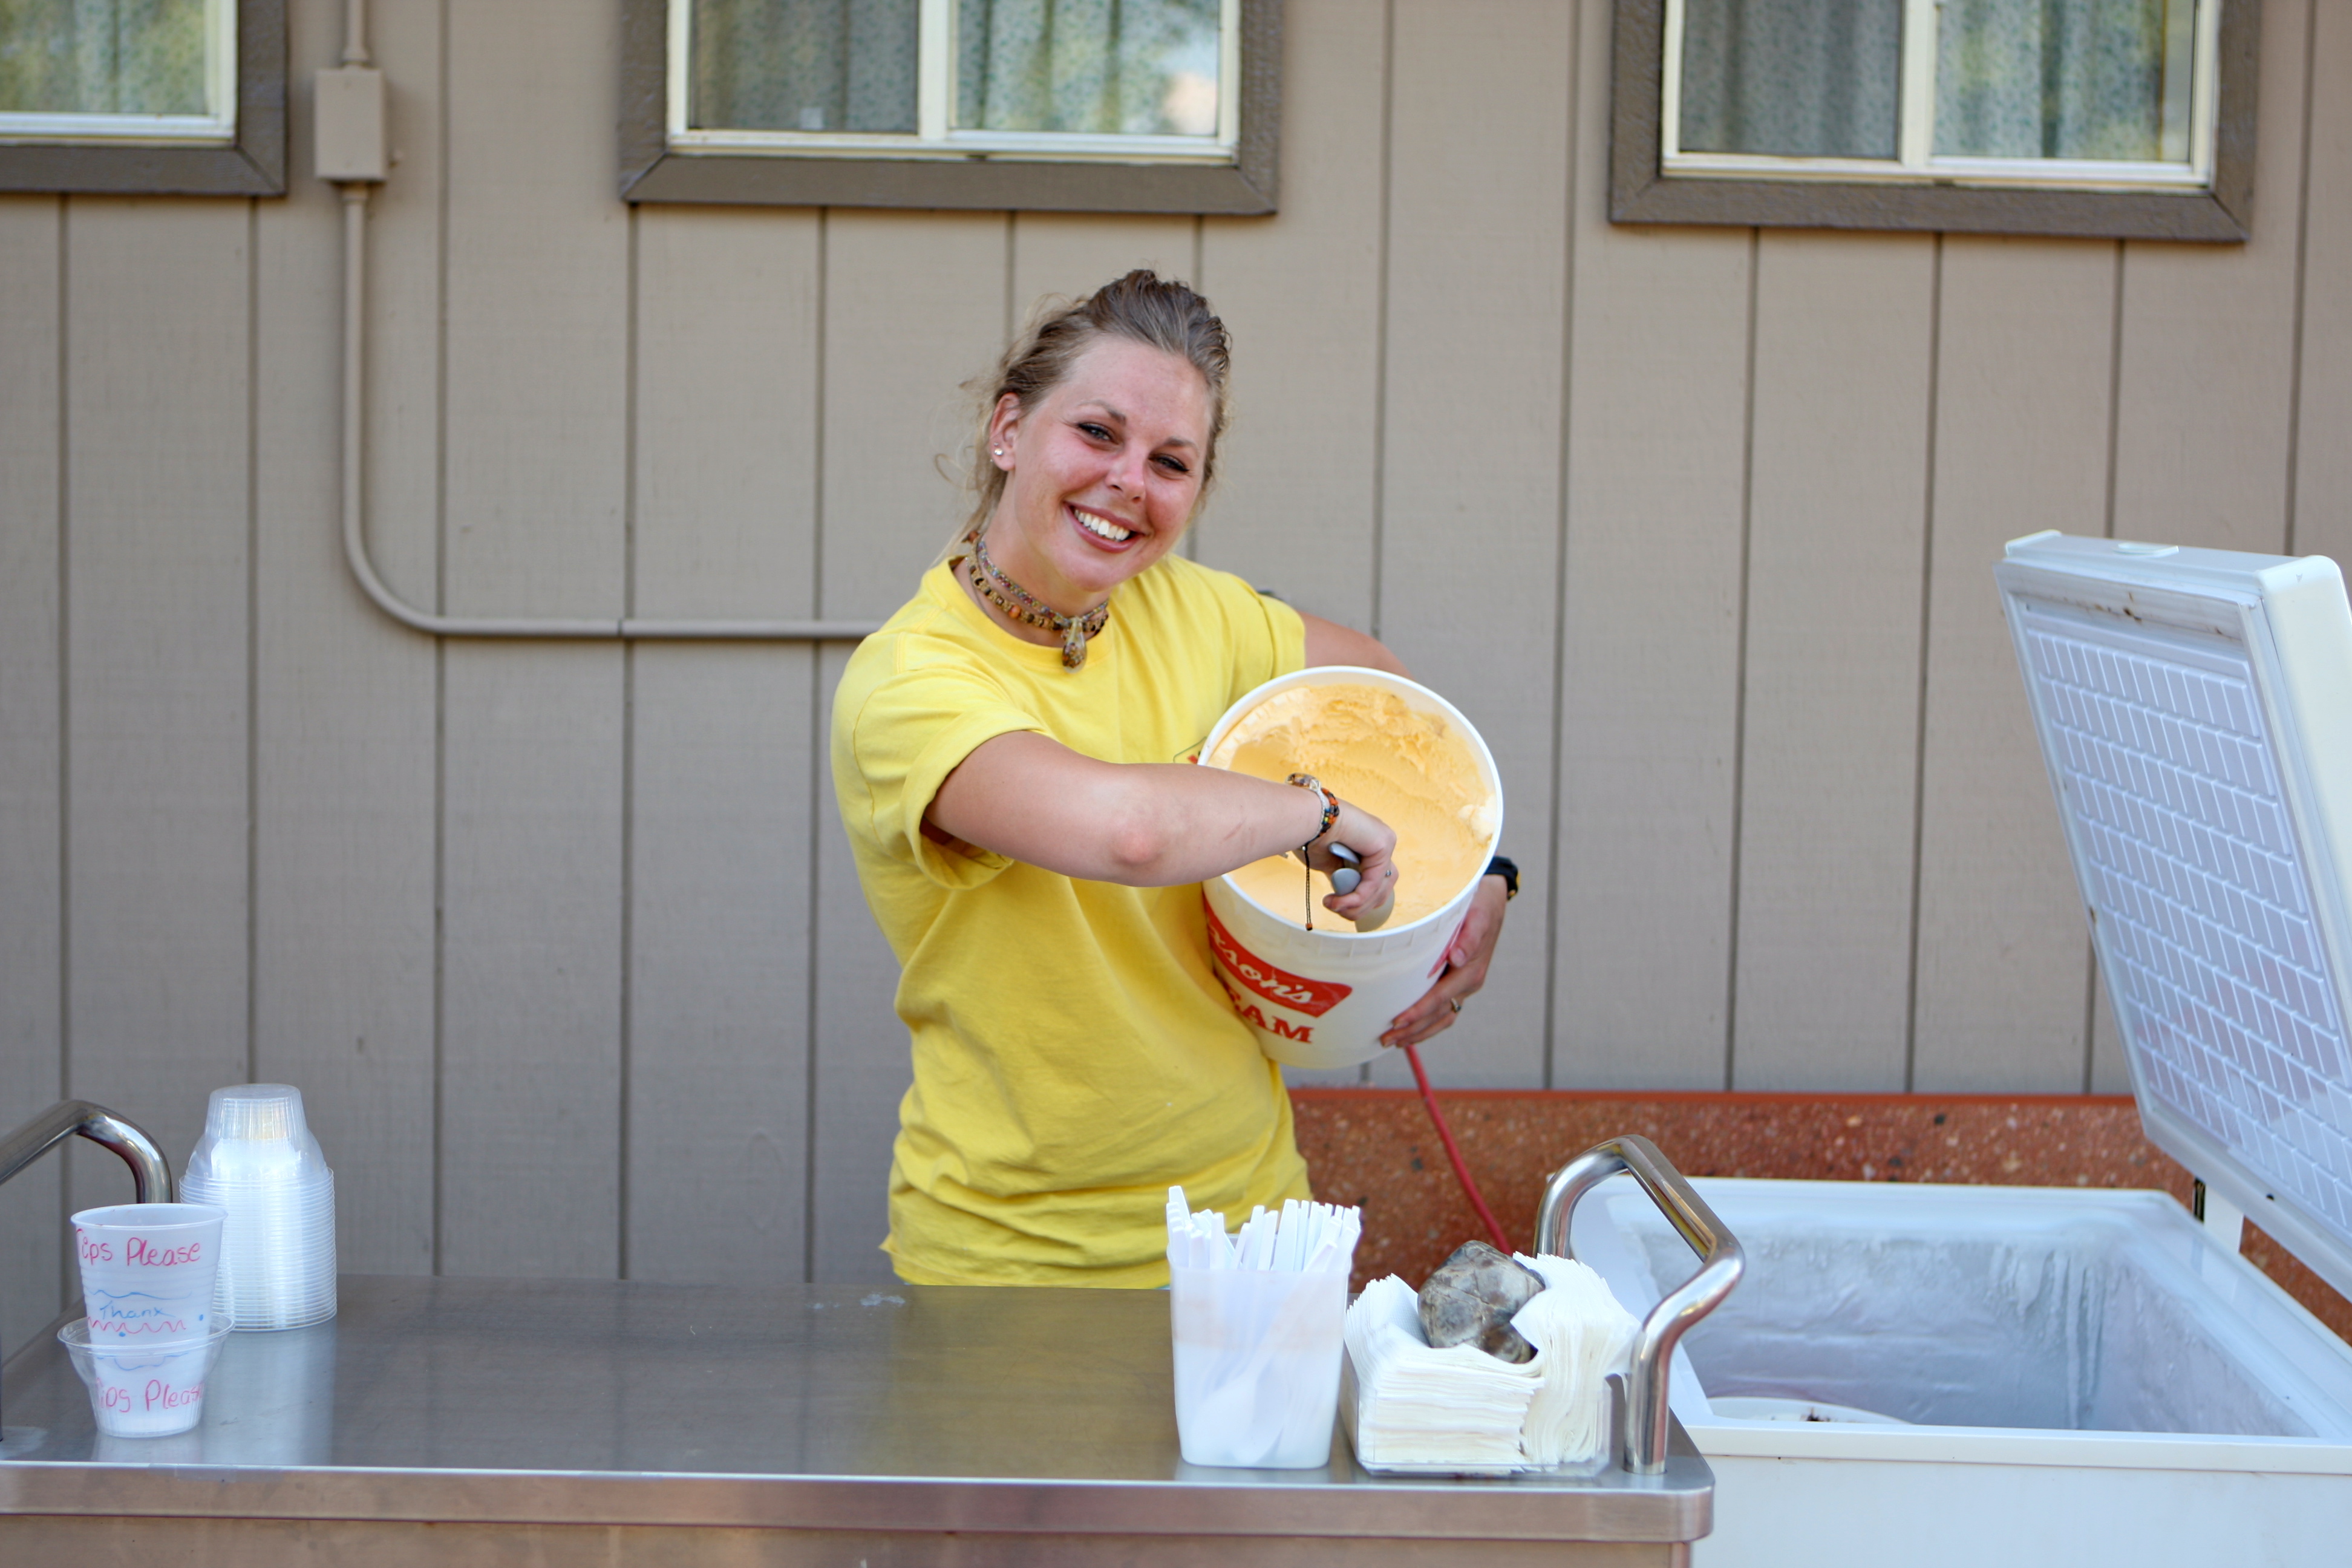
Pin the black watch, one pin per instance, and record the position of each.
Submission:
(1506, 867)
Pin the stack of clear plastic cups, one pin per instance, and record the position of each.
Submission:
(258, 1161)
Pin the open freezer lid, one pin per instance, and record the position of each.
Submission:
(2195, 710)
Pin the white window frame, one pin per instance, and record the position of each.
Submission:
(216, 127)
(934, 138)
(1916, 163)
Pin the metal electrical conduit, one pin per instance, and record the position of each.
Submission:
(355, 551)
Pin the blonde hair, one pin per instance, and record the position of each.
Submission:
(1159, 313)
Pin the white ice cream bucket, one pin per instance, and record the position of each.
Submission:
(1321, 998)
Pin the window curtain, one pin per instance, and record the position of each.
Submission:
(102, 57)
(1800, 78)
(2063, 78)
(804, 65)
(1095, 67)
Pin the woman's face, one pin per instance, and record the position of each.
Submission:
(1101, 474)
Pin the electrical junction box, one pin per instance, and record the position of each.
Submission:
(348, 104)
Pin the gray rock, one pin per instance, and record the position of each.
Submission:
(1471, 1298)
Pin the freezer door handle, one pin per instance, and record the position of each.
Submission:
(1644, 1437)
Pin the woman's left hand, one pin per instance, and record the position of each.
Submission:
(1465, 968)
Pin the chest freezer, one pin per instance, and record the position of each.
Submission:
(1955, 1375)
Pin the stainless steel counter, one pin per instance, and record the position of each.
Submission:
(964, 1424)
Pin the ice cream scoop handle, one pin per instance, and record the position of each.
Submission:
(1346, 879)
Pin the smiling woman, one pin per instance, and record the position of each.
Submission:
(1012, 754)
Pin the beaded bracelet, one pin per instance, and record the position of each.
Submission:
(1330, 807)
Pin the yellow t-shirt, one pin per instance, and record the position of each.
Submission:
(1074, 1053)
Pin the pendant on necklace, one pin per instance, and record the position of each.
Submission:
(988, 578)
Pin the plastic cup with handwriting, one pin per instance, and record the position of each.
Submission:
(148, 1271)
(146, 1388)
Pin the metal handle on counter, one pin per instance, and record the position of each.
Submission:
(151, 1174)
(1721, 1263)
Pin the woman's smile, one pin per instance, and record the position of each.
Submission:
(1107, 529)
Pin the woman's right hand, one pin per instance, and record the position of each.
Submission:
(1374, 844)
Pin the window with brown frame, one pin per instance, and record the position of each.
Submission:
(2125, 118)
(1141, 106)
(163, 97)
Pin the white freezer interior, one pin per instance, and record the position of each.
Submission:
(2008, 1308)
(2089, 1377)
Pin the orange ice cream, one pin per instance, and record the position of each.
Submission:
(1414, 770)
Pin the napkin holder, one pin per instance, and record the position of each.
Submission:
(1639, 1419)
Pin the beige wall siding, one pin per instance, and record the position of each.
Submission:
(1467, 553)
(719, 804)
(1836, 532)
(561, 940)
(157, 640)
(343, 781)
(1653, 613)
(2322, 516)
(2025, 357)
(31, 753)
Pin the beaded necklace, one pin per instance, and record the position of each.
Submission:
(1014, 601)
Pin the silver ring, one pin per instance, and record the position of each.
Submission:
(1455, 1003)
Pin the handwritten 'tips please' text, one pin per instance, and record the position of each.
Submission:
(158, 1394)
(139, 1252)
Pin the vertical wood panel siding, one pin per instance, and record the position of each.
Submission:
(563, 940)
(725, 439)
(1065, 254)
(2322, 518)
(536, 437)
(345, 775)
(157, 638)
(1648, 747)
(1469, 545)
(2202, 430)
(32, 800)
(1836, 542)
(718, 963)
(2024, 401)
(1296, 501)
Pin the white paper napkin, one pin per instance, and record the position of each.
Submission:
(1417, 1404)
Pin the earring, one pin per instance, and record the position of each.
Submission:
(998, 450)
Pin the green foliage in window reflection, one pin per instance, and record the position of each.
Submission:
(1087, 66)
(805, 65)
(1095, 67)
(102, 57)
(2062, 78)
(1799, 78)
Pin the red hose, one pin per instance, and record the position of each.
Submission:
(1454, 1153)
